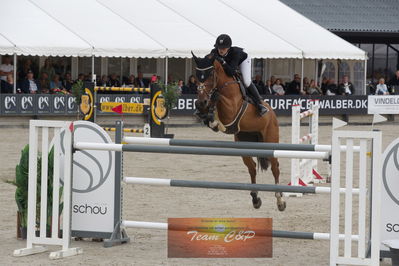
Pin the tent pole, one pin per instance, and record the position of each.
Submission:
(166, 70)
(92, 68)
(15, 73)
(316, 71)
(365, 76)
(302, 74)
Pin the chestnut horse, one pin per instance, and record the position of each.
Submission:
(221, 95)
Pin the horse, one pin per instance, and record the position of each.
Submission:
(221, 105)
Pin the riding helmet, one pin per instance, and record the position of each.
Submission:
(223, 41)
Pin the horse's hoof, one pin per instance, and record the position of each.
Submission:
(282, 206)
(257, 203)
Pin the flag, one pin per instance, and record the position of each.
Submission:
(118, 109)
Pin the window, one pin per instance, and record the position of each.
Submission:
(258, 67)
(148, 66)
(358, 77)
(393, 61)
(380, 61)
(329, 72)
(344, 70)
(369, 49)
(84, 65)
(176, 69)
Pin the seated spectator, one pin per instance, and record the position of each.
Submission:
(67, 82)
(29, 84)
(48, 69)
(394, 83)
(268, 88)
(23, 71)
(272, 80)
(55, 84)
(346, 87)
(278, 89)
(181, 86)
(192, 85)
(6, 68)
(8, 85)
(131, 81)
(306, 84)
(259, 84)
(382, 88)
(142, 82)
(332, 88)
(104, 81)
(294, 88)
(44, 83)
(154, 79)
(313, 89)
(113, 81)
(324, 84)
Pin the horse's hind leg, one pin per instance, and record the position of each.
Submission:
(251, 165)
(276, 173)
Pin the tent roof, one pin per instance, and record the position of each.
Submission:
(6, 47)
(108, 33)
(309, 37)
(35, 33)
(158, 28)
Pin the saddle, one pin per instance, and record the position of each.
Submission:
(245, 96)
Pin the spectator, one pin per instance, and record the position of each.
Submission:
(294, 88)
(268, 88)
(192, 85)
(48, 68)
(259, 84)
(55, 84)
(324, 84)
(81, 77)
(29, 84)
(332, 88)
(67, 82)
(113, 81)
(181, 86)
(394, 83)
(272, 80)
(8, 85)
(6, 68)
(141, 82)
(313, 89)
(381, 87)
(44, 83)
(278, 88)
(154, 79)
(170, 79)
(346, 87)
(306, 85)
(131, 81)
(26, 66)
(104, 81)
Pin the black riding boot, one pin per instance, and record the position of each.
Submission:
(257, 98)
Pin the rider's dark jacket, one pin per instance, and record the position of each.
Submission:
(234, 57)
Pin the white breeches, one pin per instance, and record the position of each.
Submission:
(245, 68)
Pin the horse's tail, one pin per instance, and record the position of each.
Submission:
(263, 163)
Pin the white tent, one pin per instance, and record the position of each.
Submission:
(35, 33)
(159, 28)
(108, 33)
(315, 41)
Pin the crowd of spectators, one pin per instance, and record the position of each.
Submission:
(51, 78)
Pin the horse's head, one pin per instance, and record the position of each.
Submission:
(206, 75)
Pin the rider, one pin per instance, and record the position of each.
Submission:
(234, 58)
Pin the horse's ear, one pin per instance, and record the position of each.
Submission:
(195, 58)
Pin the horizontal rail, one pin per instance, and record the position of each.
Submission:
(202, 151)
(128, 89)
(230, 185)
(231, 144)
(131, 130)
(275, 233)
